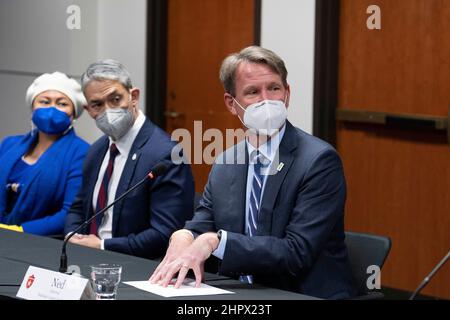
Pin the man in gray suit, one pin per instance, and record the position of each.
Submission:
(272, 211)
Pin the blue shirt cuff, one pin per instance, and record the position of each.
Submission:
(219, 252)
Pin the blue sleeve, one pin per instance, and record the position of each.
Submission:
(53, 223)
(172, 200)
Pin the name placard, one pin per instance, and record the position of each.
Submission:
(43, 284)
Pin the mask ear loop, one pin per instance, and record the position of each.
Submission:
(131, 95)
(131, 99)
(72, 122)
(69, 128)
(33, 128)
(238, 114)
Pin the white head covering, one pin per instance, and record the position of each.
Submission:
(60, 82)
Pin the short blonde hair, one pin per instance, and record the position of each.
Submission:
(253, 54)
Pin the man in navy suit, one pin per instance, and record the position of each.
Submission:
(143, 221)
(272, 211)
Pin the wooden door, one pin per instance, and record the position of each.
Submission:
(398, 178)
(200, 35)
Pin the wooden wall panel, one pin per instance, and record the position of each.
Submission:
(398, 180)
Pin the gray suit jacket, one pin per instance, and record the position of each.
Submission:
(299, 245)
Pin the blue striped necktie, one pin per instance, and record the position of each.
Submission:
(255, 196)
(254, 204)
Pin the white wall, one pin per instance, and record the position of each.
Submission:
(34, 39)
(288, 29)
(122, 29)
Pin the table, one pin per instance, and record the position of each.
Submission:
(20, 250)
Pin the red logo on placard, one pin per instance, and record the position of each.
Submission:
(30, 281)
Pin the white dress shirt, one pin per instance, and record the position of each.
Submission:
(124, 145)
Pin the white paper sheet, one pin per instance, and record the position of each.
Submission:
(186, 289)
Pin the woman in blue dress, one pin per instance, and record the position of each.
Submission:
(40, 172)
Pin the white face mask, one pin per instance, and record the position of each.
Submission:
(265, 117)
(115, 122)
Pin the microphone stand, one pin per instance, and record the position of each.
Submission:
(428, 278)
(63, 258)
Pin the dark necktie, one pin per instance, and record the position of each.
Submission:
(102, 199)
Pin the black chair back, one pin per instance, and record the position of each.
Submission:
(365, 250)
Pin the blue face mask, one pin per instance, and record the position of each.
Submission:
(51, 120)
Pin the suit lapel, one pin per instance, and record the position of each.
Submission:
(274, 181)
(103, 148)
(234, 183)
(130, 166)
(237, 203)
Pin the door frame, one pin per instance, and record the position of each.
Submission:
(326, 68)
(325, 64)
(156, 57)
(156, 61)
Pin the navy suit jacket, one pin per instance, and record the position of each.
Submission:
(299, 245)
(144, 220)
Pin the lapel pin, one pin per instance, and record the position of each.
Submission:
(280, 166)
(134, 157)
